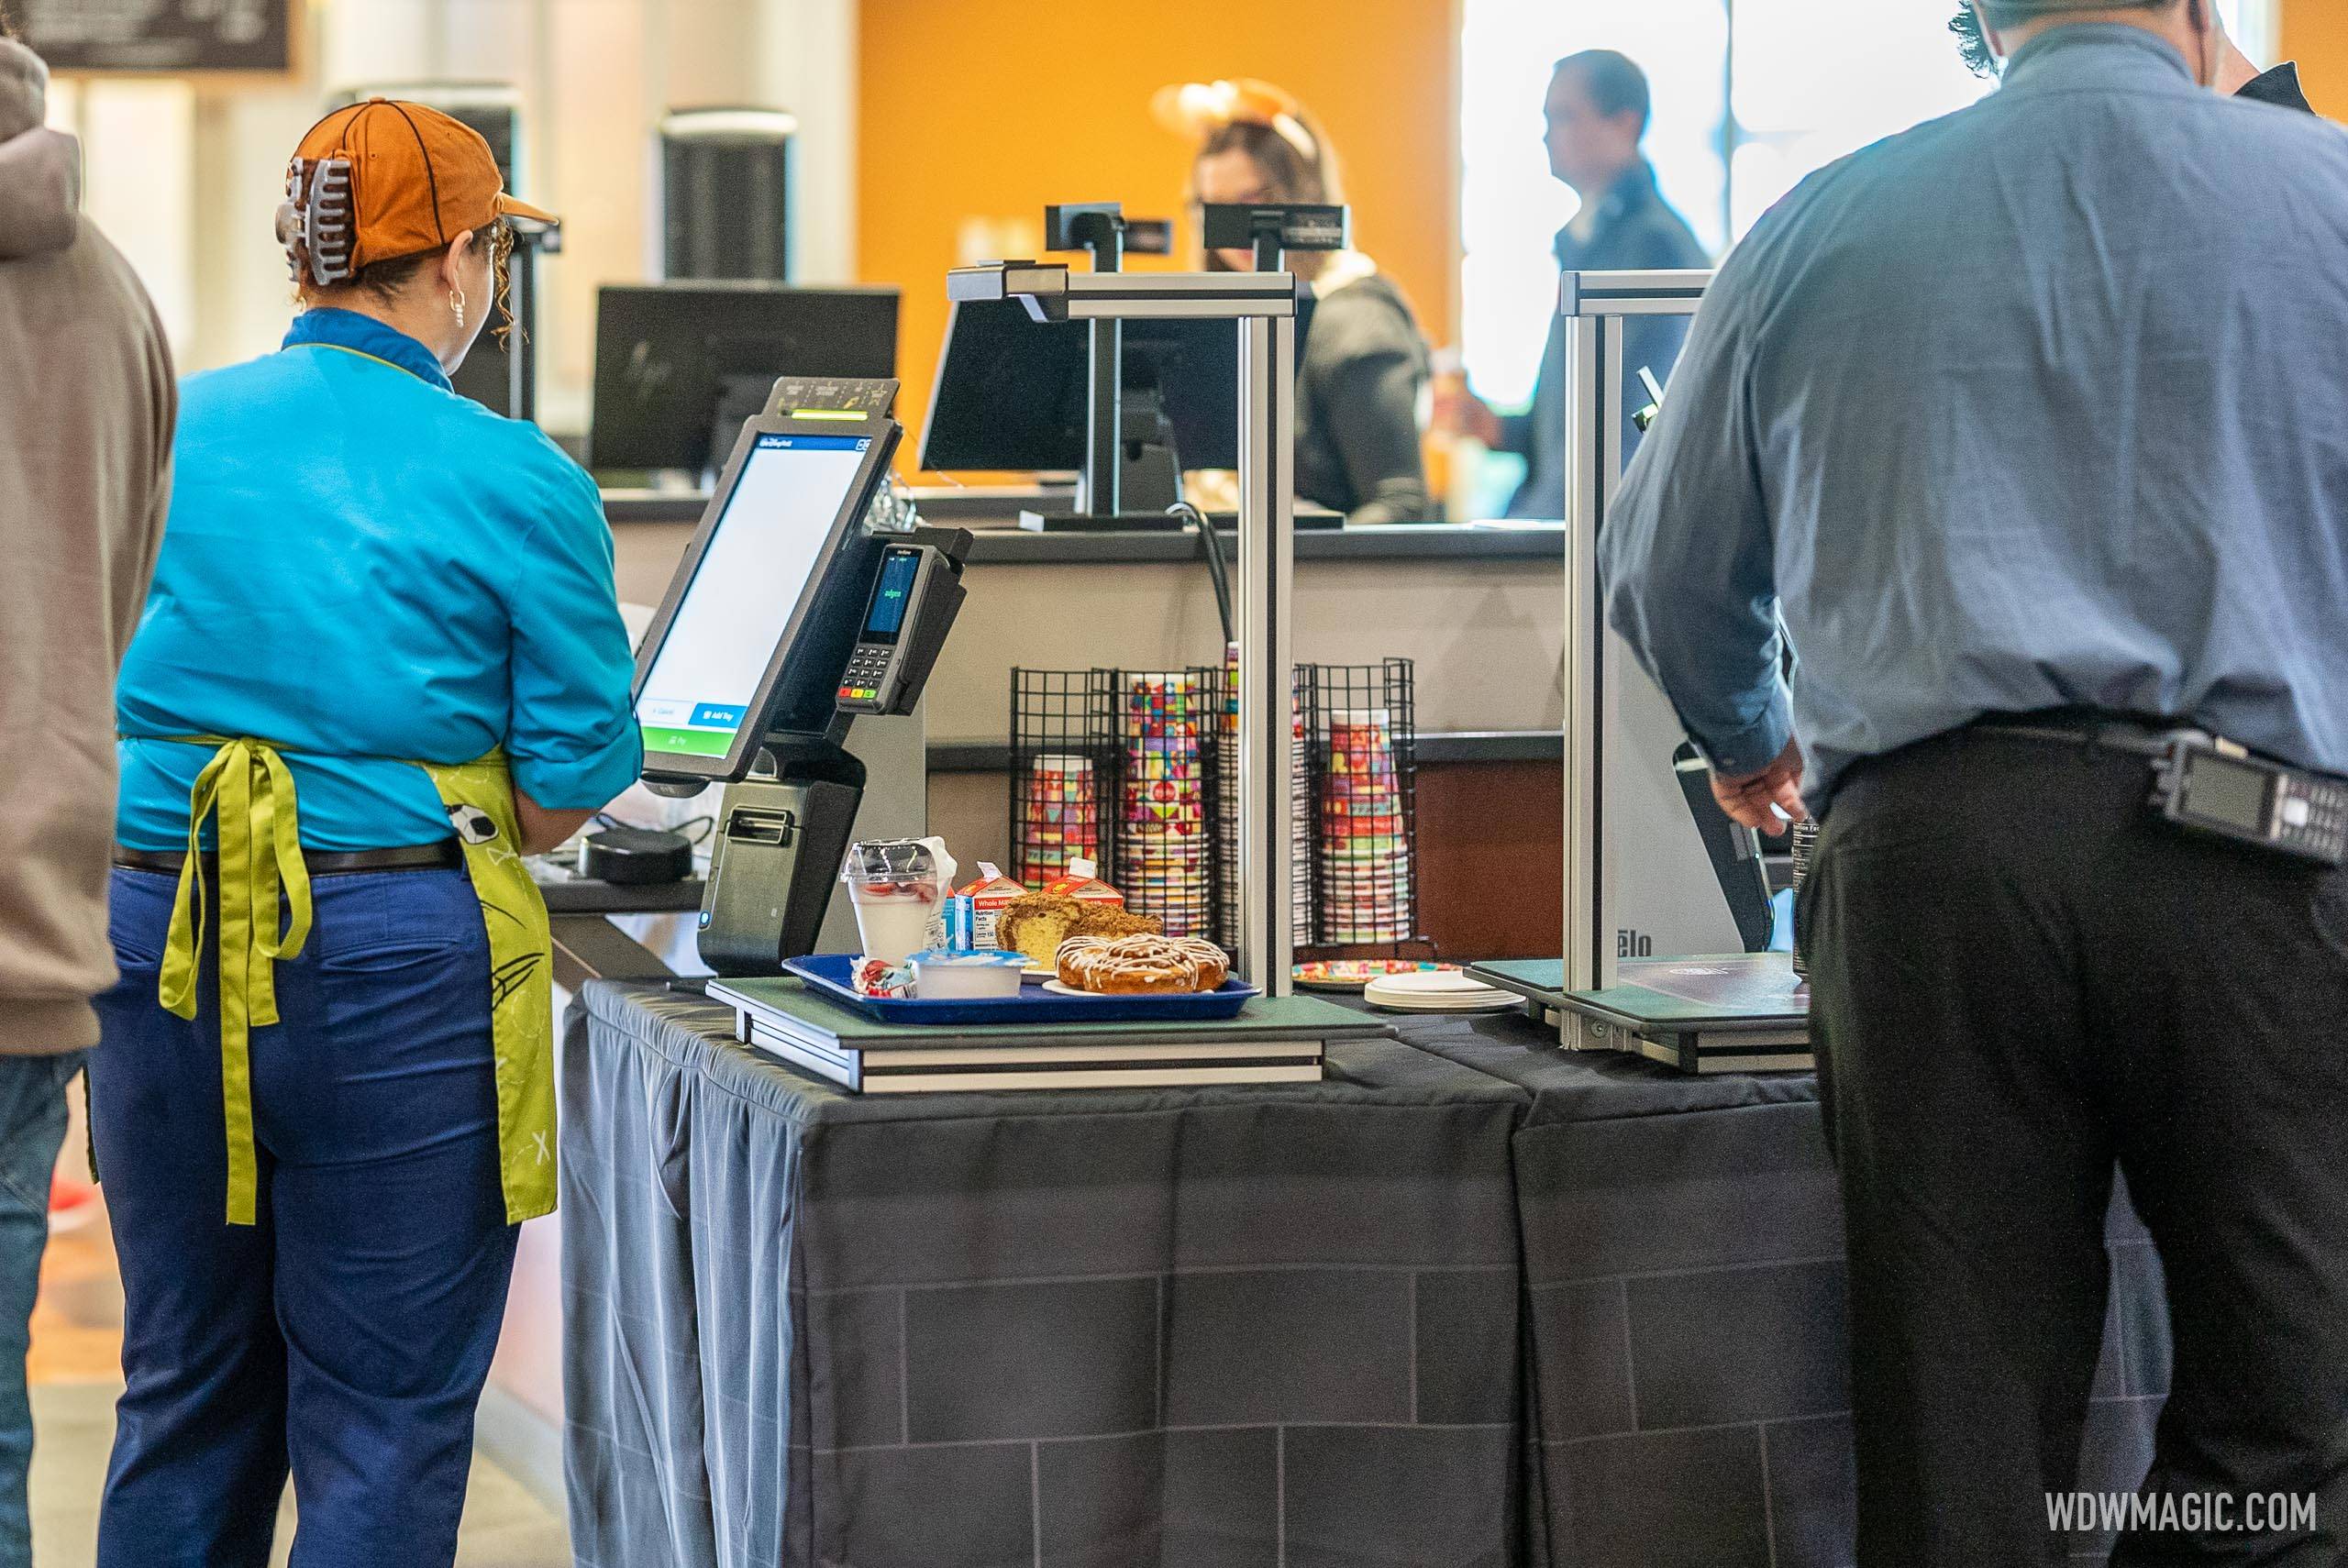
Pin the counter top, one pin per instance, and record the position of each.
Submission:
(954, 506)
(987, 514)
(1468, 745)
(1396, 541)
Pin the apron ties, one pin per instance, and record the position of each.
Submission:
(248, 790)
(479, 798)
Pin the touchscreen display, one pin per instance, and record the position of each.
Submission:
(768, 541)
(886, 616)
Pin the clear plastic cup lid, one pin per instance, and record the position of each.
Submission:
(984, 958)
(890, 860)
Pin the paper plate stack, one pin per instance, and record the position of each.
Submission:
(1438, 990)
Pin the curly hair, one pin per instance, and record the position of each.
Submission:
(9, 28)
(1974, 44)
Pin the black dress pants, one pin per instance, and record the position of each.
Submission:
(2021, 978)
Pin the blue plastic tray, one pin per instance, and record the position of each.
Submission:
(832, 974)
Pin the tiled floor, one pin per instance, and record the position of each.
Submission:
(76, 1371)
(77, 1321)
(73, 1425)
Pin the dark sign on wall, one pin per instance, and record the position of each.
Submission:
(168, 36)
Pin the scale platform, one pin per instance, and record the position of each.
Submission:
(1735, 1012)
(1540, 981)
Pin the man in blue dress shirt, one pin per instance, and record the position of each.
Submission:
(2030, 427)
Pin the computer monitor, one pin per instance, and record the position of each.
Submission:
(1011, 392)
(767, 604)
(679, 366)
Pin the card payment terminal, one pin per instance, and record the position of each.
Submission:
(913, 594)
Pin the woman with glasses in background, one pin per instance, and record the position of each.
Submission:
(1362, 380)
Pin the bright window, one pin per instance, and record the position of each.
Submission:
(1814, 82)
(1512, 209)
(1808, 81)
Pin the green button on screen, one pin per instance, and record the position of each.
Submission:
(687, 743)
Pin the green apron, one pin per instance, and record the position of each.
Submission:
(249, 789)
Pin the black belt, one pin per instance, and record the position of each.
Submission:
(447, 855)
(2104, 732)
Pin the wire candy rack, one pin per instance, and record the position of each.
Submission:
(1138, 772)
(1360, 731)
(1063, 771)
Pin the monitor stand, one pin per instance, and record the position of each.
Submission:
(1149, 479)
(781, 836)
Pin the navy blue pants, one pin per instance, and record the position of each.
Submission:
(347, 1335)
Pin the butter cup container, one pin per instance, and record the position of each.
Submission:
(943, 976)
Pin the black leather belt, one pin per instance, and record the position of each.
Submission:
(2104, 732)
(447, 855)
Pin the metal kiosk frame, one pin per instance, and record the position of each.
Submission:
(1596, 306)
(1262, 307)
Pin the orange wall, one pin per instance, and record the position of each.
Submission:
(2315, 33)
(991, 109)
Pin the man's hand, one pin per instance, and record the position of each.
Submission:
(1748, 798)
(1459, 412)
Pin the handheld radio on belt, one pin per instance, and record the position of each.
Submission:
(2206, 784)
(2216, 787)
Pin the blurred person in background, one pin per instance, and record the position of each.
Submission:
(87, 405)
(1598, 112)
(381, 663)
(1365, 363)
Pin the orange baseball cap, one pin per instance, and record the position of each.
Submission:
(386, 179)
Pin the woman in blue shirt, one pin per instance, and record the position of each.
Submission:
(381, 662)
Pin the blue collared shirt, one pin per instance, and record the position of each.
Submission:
(2040, 405)
(367, 569)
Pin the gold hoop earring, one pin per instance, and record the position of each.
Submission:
(456, 304)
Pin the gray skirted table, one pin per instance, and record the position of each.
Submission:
(1684, 1287)
(1474, 1300)
(1213, 1326)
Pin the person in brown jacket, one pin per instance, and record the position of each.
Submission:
(87, 407)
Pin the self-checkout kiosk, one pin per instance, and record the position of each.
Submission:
(1666, 899)
(1257, 313)
(790, 617)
